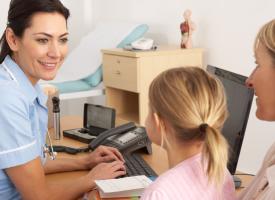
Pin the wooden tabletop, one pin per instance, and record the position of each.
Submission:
(158, 160)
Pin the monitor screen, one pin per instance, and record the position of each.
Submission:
(239, 100)
(98, 116)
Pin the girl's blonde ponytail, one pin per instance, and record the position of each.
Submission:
(215, 152)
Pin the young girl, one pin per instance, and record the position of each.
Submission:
(187, 112)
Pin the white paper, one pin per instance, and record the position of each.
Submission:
(123, 184)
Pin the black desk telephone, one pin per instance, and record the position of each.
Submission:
(126, 138)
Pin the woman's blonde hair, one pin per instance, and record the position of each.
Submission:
(266, 36)
(194, 104)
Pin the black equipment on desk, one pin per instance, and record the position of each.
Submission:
(127, 138)
(96, 120)
(135, 165)
(239, 100)
(69, 150)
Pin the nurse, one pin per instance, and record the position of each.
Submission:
(33, 47)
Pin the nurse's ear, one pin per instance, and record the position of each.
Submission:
(12, 39)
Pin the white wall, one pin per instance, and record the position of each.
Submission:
(80, 21)
(226, 29)
(4, 5)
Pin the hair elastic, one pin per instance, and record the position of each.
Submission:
(203, 127)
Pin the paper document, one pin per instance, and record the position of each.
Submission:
(123, 187)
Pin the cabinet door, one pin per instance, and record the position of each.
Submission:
(120, 72)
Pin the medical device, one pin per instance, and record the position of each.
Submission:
(56, 118)
(49, 149)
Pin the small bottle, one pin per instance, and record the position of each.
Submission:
(56, 118)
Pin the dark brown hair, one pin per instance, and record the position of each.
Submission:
(20, 15)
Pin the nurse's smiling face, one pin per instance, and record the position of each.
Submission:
(43, 46)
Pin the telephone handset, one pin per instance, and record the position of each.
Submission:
(126, 138)
(114, 131)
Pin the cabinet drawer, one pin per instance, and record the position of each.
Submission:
(120, 72)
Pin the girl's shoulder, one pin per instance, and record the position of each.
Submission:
(182, 182)
(187, 171)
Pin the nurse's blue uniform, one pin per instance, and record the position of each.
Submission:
(23, 123)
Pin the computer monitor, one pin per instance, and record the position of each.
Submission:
(239, 100)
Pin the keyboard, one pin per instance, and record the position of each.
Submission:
(135, 165)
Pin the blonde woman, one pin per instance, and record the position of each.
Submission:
(187, 111)
(262, 80)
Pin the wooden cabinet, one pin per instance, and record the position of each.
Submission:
(118, 74)
(127, 76)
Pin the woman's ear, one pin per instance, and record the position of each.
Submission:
(12, 40)
(162, 126)
(159, 122)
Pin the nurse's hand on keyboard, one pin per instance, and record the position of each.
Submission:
(102, 154)
(105, 171)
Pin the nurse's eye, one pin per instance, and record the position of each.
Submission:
(63, 40)
(42, 40)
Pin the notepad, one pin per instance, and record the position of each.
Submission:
(123, 187)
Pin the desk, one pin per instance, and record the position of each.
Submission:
(158, 160)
